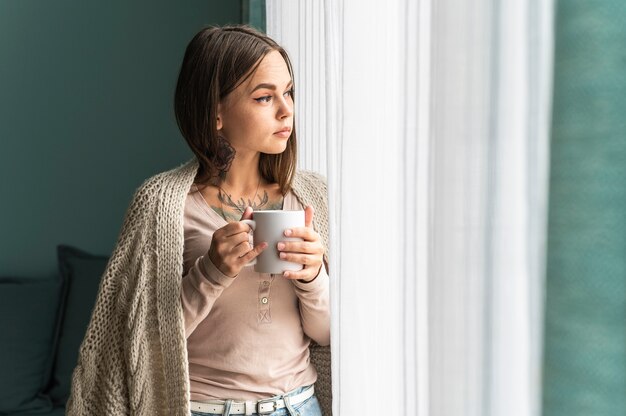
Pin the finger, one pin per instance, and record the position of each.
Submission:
(247, 214)
(291, 275)
(304, 259)
(252, 254)
(304, 274)
(299, 247)
(236, 239)
(234, 228)
(305, 233)
(308, 216)
(242, 248)
(225, 246)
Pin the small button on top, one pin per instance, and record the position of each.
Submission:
(264, 300)
(266, 283)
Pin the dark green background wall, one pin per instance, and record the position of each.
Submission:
(585, 352)
(86, 115)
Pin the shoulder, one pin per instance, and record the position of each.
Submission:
(310, 188)
(171, 185)
(179, 177)
(309, 180)
(146, 208)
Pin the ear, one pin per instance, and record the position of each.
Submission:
(219, 124)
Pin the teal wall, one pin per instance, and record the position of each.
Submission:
(585, 351)
(86, 114)
(253, 13)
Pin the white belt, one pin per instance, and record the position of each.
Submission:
(262, 407)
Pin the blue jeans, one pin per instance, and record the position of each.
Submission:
(309, 407)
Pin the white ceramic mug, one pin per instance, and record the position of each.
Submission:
(270, 226)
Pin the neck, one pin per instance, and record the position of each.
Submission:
(243, 176)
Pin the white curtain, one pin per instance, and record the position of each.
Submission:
(298, 26)
(431, 121)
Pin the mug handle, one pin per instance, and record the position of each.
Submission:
(252, 225)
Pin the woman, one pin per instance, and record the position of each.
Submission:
(181, 324)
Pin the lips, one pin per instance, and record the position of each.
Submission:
(284, 133)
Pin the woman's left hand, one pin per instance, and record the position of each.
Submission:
(309, 252)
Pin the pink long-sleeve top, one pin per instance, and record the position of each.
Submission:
(248, 336)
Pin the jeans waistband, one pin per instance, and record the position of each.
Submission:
(262, 407)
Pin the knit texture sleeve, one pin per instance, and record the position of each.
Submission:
(100, 379)
(311, 189)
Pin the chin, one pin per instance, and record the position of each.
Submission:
(276, 149)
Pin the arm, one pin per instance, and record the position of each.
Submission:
(101, 362)
(102, 357)
(315, 307)
(201, 286)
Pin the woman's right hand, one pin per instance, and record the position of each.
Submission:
(230, 250)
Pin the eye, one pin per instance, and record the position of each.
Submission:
(290, 93)
(265, 99)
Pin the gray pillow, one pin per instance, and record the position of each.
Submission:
(82, 273)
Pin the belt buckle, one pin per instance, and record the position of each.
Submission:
(266, 401)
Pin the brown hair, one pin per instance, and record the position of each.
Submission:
(218, 60)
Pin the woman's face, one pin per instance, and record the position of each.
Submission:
(253, 114)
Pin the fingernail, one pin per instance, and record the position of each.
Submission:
(283, 255)
(287, 233)
(281, 246)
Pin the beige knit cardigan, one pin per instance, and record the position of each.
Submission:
(133, 359)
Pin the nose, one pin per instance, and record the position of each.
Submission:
(285, 109)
